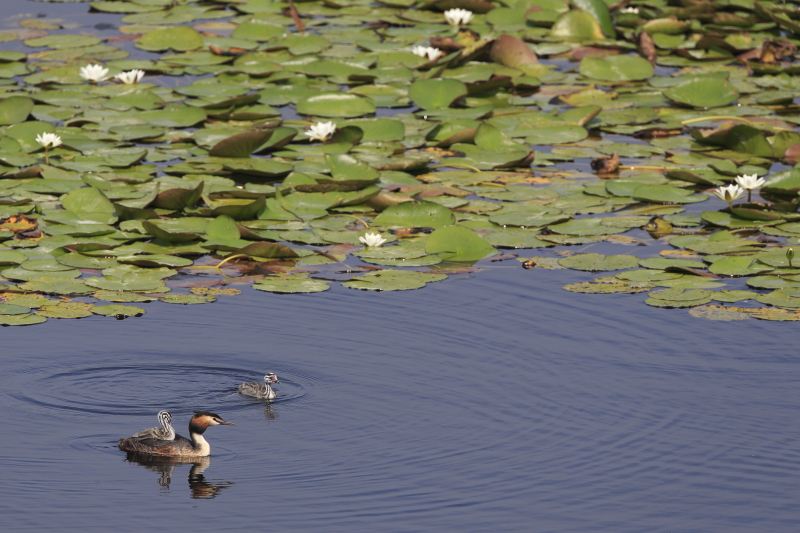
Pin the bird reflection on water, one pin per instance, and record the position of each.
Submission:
(200, 488)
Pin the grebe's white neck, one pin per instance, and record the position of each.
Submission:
(200, 444)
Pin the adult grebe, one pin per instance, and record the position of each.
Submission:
(260, 390)
(165, 432)
(181, 446)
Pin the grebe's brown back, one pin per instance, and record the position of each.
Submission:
(260, 390)
(195, 446)
(165, 432)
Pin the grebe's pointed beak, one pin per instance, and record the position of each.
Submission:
(224, 423)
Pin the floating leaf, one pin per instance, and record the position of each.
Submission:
(187, 299)
(241, 145)
(179, 38)
(599, 262)
(291, 285)
(416, 214)
(457, 243)
(616, 68)
(718, 312)
(704, 92)
(117, 310)
(21, 320)
(436, 93)
(393, 280)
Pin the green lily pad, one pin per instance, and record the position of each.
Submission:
(291, 285)
(336, 105)
(21, 320)
(616, 68)
(436, 93)
(416, 214)
(11, 309)
(127, 283)
(598, 262)
(117, 310)
(393, 280)
(179, 38)
(15, 109)
(65, 310)
(457, 243)
(188, 299)
(703, 92)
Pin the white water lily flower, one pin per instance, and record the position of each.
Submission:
(130, 77)
(729, 194)
(321, 131)
(372, 239)
(629, 10)
(94, 73)
(458, 16)
(426, 51)
(750, 181)
(48, 140)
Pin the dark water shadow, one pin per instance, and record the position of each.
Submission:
(199, 487)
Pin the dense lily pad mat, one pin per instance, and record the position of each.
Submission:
(422, 148)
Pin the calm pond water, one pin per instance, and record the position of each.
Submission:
(497, 403)
(487, 402)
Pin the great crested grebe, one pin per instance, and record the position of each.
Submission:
(165, 432)
(260, 390)
(197, 446)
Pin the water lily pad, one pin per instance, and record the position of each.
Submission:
(291, 285)
(777, 315)
(11, 309)
(576, 26)
(336, 105)
(598, 262)
(616, 68)
(718, 312)
(588, 287)
(187, 299)
(457, 243)
(128, 283)
(21, 320)
(15, 109)
(703, 92)
(117, 310)
(10, 257)
(393, 280)
(436, 93)
(179, 38)
(66, 310)
(416, 214)
(119, 296)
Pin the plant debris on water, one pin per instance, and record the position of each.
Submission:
(387, 144)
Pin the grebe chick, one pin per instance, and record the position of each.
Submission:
(260, 390)
(195, 446)
(165, 432)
